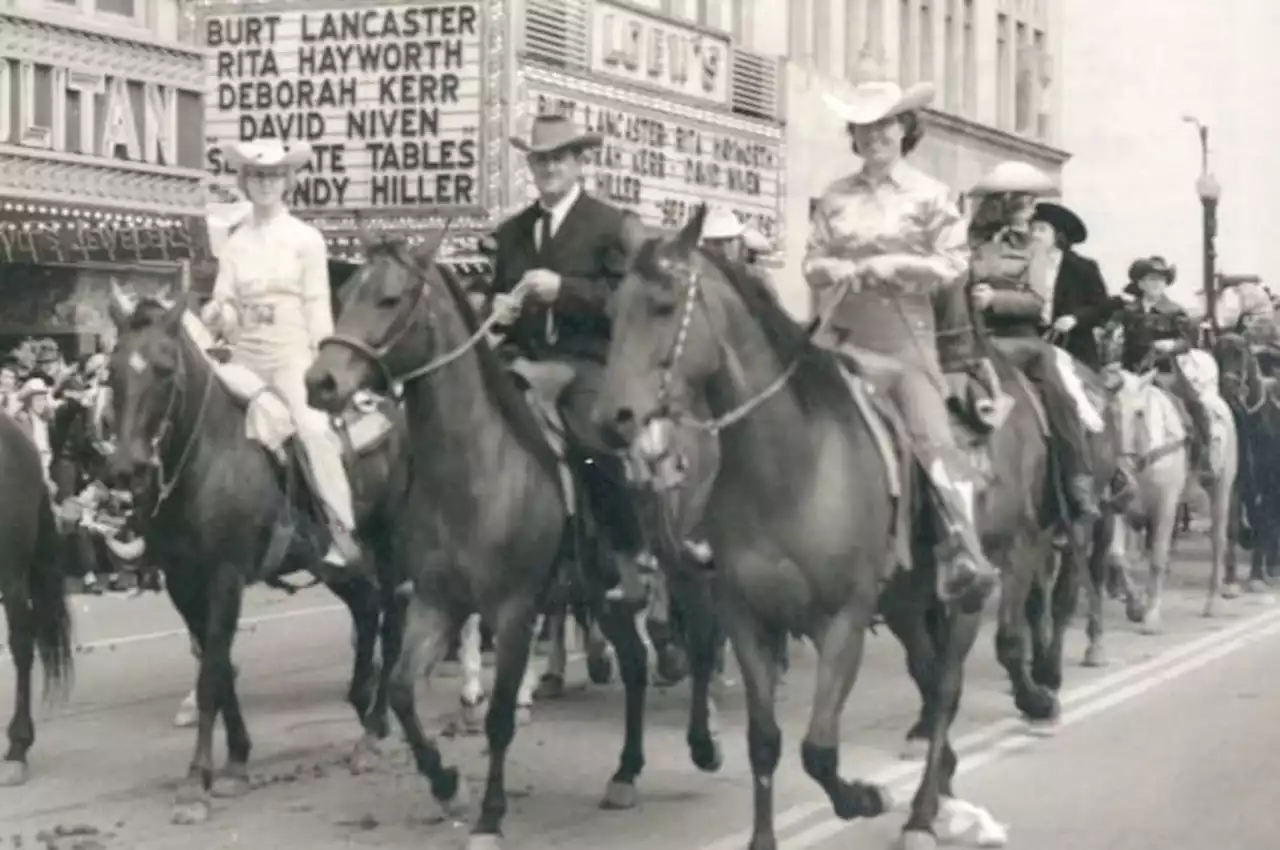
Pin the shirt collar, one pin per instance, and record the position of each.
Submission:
(561, 207)
(895, 176)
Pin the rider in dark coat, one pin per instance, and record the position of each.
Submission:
(1073, 283)
(1157, 328)
(556, 264)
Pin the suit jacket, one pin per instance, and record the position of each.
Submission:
(1166, 319)
(1080, 291)
(589, 251)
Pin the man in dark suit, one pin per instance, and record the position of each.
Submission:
(556, 265)
(1071, 283)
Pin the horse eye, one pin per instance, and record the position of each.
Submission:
(388, 300)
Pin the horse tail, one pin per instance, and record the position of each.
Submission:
(47, 597)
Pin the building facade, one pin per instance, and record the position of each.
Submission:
(994, 63)
(100, 160)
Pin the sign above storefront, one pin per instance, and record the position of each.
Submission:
(76, 110)
(639, 48)
(390, 97)
(663, 167)
(38, 233)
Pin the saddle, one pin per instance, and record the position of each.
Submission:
(543, 383)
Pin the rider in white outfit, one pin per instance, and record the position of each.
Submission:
(272, 301)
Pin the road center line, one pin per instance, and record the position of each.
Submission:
(976, 742)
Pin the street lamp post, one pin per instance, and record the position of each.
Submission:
(1209, 191)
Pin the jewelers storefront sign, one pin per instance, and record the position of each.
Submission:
(662, 167)
(388, 96)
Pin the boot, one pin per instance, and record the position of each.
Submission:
(966, 576)
(634, 573)
(1081, 495)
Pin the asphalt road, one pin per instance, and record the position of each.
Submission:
(1169, 746)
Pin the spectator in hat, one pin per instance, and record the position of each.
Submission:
(1075, 295)
(34, 413)
(722, 234)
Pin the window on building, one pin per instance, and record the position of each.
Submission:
(716, 14)
(906, 50)
(969, 62)
(927, 59)
(800, 34)
(130, 12)
(1024, 94)
(950, 60)
(1004, 71)
(822, 36)
(1044, 81)
(740, 23)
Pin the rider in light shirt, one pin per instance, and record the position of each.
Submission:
(272, 301)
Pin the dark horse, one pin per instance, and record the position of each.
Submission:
(31, 585)
(489, 520)
(802, 521)
(215, 512)
(1254, 401)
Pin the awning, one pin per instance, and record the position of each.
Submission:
(55, 233)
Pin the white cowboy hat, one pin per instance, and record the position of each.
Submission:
(722, 223)
(33, 387)
(869, 102)
(753, 240)
(1015, 176)
(551, 133)
(268, 153)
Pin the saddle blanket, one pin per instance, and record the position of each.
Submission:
(268, 420)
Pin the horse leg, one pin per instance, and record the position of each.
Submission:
(908, 622)
(1159, 541)
(1219, 538)
(1096, 567)
(551, 683)
(599, 650)
(840, 645)
(362, 598)
(755, 646)
(1231, 575)
(1013, 633)
(619, 626)
(471, 657)
(1064, 591)
(22, 731)
(427, 630)
(702, 637)
(512, 642)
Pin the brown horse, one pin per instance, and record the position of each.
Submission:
(31, 587)
(801, 517)
(218, 512)
(489, 521)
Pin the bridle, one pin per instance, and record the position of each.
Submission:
(1240, 386)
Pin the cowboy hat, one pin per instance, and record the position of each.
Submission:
(1239, 279)
(722, 223)
(33, 387)
(1153, 265)
(551, 133)
(1069, 225)
(268, 154)
(1015, 176)
(876, 96)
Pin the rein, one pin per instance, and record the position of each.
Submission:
(166, 487)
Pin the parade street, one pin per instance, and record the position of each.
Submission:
(1169, 746)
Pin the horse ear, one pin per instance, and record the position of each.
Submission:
(118, 306)
(173, 316)
(691, 234)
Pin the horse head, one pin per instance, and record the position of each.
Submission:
(1237, 369)
(145, 375)
(384, 329)
(669, 318)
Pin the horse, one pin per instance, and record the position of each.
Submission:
(491, 520)
(32, 590)
(219, 511)
(802, 517)
(1251, 395)
(1153, 434)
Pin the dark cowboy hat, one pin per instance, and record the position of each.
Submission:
(551, 133)
(1067, 223)
(1144, 266)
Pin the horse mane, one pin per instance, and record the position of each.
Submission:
(818, 381)
(502, 390)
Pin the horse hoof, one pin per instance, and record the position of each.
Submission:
(14, 773)
(619, 796)
(458, 806)
(1255, 586)
(1151, 625)
(524, 715)
(191, 812)
(550, 686)
(473, 715)
(1095, 656)
(1210, 608)
(484, 842)
(914, 749)
(1231, 590)
(366, 755)
(186, 717)
(1134, 611)
(706, 755)
(599, 668)
(917, 840)
(230, 786)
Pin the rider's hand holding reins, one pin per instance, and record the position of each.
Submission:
(982, 295)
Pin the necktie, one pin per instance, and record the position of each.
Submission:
(543, 233)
